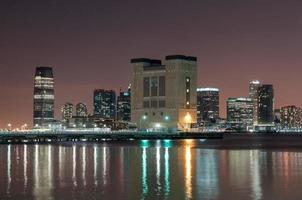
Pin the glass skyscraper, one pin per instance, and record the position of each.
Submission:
(265, 105)
(43, 108)
(124, 106)
(207, 104)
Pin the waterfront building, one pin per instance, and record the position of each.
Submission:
(265, 105)
(43, 99)
(67, 112)
(163, 96)
(104, 102)
(240, 113)
(253, 94)
(81, 110)
(207, 105)
(124, 106)
(290, 117)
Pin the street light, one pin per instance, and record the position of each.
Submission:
(144, 117)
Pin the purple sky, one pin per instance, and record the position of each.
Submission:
(89, 45)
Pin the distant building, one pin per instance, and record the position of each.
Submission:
(265, 105)
(253, 94)
(81, 110)
(124, 106)
(240, 113)
(163, 96)
(291, 117)
(43, 109)
(104, 102)
(67, 112)
(207, 104)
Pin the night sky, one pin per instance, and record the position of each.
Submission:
(89, 45)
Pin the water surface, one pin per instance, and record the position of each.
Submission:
(163, 169)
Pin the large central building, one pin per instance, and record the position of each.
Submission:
(43, 108)
(207, 105)
(163, 95)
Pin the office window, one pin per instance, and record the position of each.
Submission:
(153, 104)
(154, 86)
(146, 87)
(162, 86)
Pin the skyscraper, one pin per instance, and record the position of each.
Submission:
(43, 108)
(207, 104)
(67, 112)
(265, 105)
(124, 106)
(240, 113)
(163, 96)
(104, 102)
(81, 110)
(253, 88)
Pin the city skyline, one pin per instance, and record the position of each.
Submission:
(242, 46)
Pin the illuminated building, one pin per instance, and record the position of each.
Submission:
(253, 88)
(81, 110)
(240, 113)
(207, 104)
(163, 96)
(67, 111)
(104, 104)
(124, 106)
(265, 105)
(43, 108)
(290, 117)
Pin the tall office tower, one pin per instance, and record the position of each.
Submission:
(240, 113)
(104, 102)
(67, 111)
(81, 110)
(253, 87)
(43, 108)
(124, 106)
(207, 105)
(163, 96)
(290, 117)
(265, 105)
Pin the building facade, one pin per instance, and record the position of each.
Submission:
(43, 108)
(163, 96)
(124, 106)
(104, 102)
(67, 112)
(240, 113)
(207, 105)
(291, 117)
(253, 94)
(265, 105)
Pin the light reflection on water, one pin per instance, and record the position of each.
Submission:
(147, 169)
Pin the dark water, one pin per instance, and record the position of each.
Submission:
(188, 169)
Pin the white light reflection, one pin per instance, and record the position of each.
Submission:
(255, 175)
(84, 165)
(95, 164)
(104, 165)
(74, 165)
(9, 178)
(50, 168)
